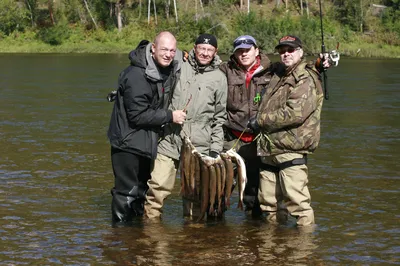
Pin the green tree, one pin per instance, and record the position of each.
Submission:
(391, 16)
(32, 6)
(12, 17)
(352, 13)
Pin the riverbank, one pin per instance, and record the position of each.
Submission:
(120, 43)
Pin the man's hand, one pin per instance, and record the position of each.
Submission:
(112, 96)
(253, 125)
(322, 62)
(326, 60)
(178, 116)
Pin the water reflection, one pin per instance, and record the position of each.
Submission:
(283, 245)
(138, 245)
(213, 243)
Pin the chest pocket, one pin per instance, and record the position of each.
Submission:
(203, 99)
(260, 85)
(206, 92)
(236, 95)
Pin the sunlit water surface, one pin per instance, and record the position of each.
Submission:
(55, 176)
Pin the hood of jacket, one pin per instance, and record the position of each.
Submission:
(215, 63)
(141, 57)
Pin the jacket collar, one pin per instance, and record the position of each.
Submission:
(215, 63)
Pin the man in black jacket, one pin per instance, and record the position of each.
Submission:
(139, 113)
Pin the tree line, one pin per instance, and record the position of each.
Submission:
(54, 20)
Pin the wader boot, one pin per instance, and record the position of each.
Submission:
(250, 199)
(131, 173)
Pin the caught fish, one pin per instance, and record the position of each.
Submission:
(186, 161)
(187, 168)
(221, 195)
(242, 177)
(228, 177)
(213, 188)
(219, 186)
(197, 177)
(205, 187)
(192, 175)
(181, 168)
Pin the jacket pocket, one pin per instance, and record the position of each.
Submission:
(143, 142)
(201, 136)
(234, 97)
(126, 137)
(288, 140)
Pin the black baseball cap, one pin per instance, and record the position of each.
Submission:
(207, 39)
(289, 40)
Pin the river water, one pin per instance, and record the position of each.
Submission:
(55, 176)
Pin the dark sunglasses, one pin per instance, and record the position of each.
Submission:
(290, 50)
(243, 41)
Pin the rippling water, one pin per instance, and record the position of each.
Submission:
(55, 176)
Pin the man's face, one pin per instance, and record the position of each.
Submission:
(247, 57)
(204, 53)
(164, 51)
(289, 55)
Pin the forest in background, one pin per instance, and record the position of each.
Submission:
(366, 28)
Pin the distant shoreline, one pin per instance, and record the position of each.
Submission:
(17, 46)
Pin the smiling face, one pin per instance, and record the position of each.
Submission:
(204, 53)
(164, 49)
(247, 57)
(290, 56)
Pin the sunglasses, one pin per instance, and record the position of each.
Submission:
(290, 50)
(243, 41)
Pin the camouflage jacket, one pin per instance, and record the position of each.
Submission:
(289, 114)
(242, 103)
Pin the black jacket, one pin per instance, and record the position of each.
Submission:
(140, 109)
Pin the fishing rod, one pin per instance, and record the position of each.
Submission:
(326, 94)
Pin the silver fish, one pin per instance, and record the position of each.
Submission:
(242, 177)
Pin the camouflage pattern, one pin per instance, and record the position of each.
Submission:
(241, 104)
(289, 114)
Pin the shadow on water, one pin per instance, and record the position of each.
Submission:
(55, 176)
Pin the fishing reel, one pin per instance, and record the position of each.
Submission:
(333, 58)
(112, 96)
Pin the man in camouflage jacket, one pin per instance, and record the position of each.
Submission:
(289, 125)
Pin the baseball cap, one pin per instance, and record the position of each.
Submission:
(289, 40)
(244, 42)
(207, 39)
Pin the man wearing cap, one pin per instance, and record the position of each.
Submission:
(289, 123)
(202, 91)
(248, 76)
